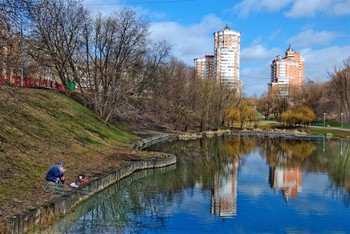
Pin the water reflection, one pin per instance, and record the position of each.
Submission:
(239, 177)
(224, 193)
(287, 180)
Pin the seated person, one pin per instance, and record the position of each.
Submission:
(55, 173)
(81, 180)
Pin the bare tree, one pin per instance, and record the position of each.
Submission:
(113, 48)
(207, 90)
(265, 103)
(280, 105)
(182, 96)
(13, 21)
(319, 97)
(57, 36)
(340, 83)
(146, 74)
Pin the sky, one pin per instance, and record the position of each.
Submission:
(318, 29)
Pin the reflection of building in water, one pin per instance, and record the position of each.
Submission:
(224, 194)
(288, 180)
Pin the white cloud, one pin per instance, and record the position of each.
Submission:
(310, 8)
(188, 42)
(340, 8)
(311, 38)
(255, 79)
(296, 8)
(302, 8)
(256, 52)
(255, 68)
(318, 62)
(246, 7)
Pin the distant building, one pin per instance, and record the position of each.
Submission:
(224, 65)
(204, 67)
(287, 72)
(227, 58)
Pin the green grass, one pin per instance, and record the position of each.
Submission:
(40, 127)
(314, 131)
(325, 131)
(337, 124)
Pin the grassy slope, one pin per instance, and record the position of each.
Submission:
(40, 127)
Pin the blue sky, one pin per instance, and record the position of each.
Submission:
(319, 29)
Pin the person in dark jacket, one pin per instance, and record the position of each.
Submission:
(55, 173)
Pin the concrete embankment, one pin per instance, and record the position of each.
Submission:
(46, 214)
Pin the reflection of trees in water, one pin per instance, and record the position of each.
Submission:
(318, 155)
(338, 192)
(130, 205)
(333, 158)
(141, 205)
(341, 166)
(199, 161)
(237, 146)
(286, 152)
(313, 154)
(340, 174)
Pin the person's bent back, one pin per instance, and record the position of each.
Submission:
(55, 173)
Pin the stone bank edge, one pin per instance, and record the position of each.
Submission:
(46, 214)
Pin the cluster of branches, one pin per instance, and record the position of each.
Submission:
(12, 16)
(340, 84)
(121, 73)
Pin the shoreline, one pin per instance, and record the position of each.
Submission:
(47, 213)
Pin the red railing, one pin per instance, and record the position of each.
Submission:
(29, 82)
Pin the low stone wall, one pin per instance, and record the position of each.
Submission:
(140, 145)
(46, 214)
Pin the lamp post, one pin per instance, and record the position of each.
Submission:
(324, 119)
(341, 119)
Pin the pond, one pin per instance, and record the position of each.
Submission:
(241, 184)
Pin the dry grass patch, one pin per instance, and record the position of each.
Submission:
(40, 127)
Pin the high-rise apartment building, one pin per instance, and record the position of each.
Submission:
(227, 58)
(287, 72)
(224, 65)
(204, 67)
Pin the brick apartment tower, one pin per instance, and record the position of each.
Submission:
(227, 58)
(287, 72)
(204, 67)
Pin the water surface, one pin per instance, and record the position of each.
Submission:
(228, 185)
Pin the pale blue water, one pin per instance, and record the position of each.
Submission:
(236, 185)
